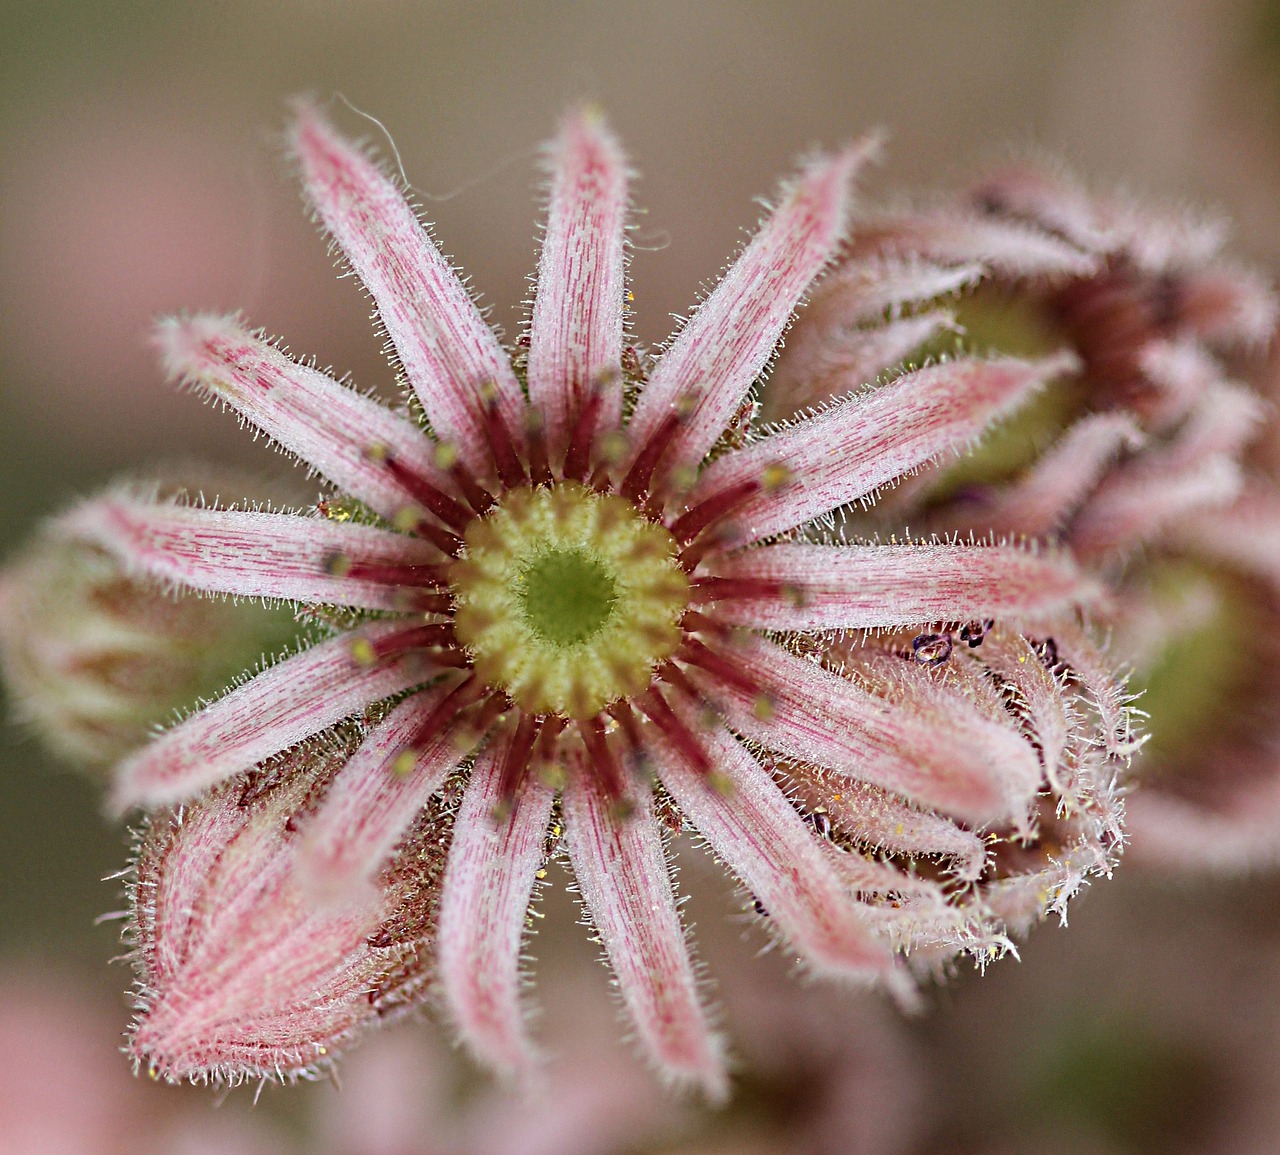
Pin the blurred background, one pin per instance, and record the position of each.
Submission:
(140, 173)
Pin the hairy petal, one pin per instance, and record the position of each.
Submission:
(489, 882)
(726, 344)
(371, 802)
(815, 587)
(751, 825)
(448, 352)
(270, 555)
(290, 701)
(329, 426)
(848, 451)
(920, 741)
(575, 337)
(1060, 481)
(622, 870)
(1246, 534)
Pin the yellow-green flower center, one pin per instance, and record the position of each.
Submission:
(567, 599)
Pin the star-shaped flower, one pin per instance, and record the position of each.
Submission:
(596, 603)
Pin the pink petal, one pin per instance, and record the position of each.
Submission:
(575, 337)
(847, 361)
(882, 822)
(757, 832)
(1246, 534)
(726, 344)
(269, 555)
(1050, 200)
(1227, 304)
(848, 451)
(622, 871)
(488, 888)
(370, 804)
(816, 587)
(448, 352)
(1039, 503)
(1006, 248)
(920, 741)
(329, 426)
(290, 701)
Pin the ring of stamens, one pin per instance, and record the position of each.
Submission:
(567, 599)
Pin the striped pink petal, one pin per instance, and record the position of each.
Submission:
(290, 701)
(371, 802)
(848, 451)
(1042, 501)
(764, 841)
(575, 336)
(918, 740)
(268, 555)
(793, 586)
(622, 871)
(334, 429)
(449, 354)
(723, 348)
(489, 881)
(1246, 534)
(882, 822)
(1007, 248)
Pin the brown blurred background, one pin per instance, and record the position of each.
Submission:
(140, 174)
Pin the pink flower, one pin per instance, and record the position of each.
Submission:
(598, 600)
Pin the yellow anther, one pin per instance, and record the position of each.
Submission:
(408, 518)
(721, 783)
(775, 475)
(377, 451)
(337, 564)
(403, 764)
(363, 652)
(762, 708)
(446, 455)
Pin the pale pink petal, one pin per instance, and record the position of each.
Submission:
(575, 337)
(750, 824)
(1048, 199)
(1131, 508)
(340, 433)
(622, 871)
(1246, 534)
(726, 344)
(1007, 248)
(1039, 503)
(489, 881)
(449, 354)
(793, 586)
(865, 291)
(1182, 371)
(883, 822)
(850, 359)
(920, 741)
(1224, 420)
(1227, 304)
(372, 801)
(1096, 672)
(850, 450)
(290, 701)
(268, 555)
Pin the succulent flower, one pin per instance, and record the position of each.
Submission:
(599, 604)
(1154, 461)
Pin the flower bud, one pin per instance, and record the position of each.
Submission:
(242, 972)
(95, 658)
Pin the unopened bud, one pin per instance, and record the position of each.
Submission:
(242, 974)
(95, 658)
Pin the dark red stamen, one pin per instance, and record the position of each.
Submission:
(659, 712)
(446, 710)
(603, 760)
(369, 651)
(551, 729)
(642, 469)
(674, 676)
(726, 589)
(515, 764)
(503, 447)
(426, 603)
(479, 498)
(718, 666)
(433, 499)
(442, 539)
(693, 521)
(621, 713)
(577, 458)
(409, 576)
(535, 435)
